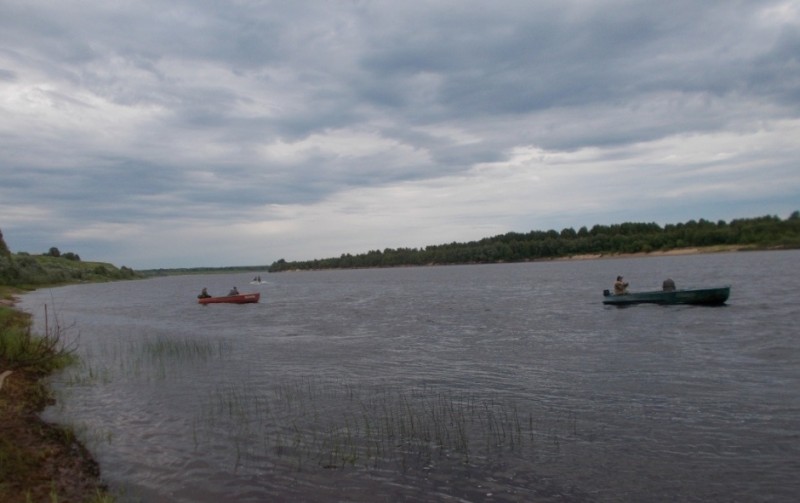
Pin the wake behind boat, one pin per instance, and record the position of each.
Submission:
(242, 298)
(694, 296)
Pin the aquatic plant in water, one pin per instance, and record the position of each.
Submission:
(337, 424)
(148, 358)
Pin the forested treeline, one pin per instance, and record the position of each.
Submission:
(761, 232)
(201, 270)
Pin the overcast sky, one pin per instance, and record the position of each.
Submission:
(206, 133)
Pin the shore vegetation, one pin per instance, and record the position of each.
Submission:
(767, 232)
(40, 461)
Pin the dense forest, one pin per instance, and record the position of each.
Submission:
(751, 233)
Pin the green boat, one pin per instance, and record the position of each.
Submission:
(695, 296)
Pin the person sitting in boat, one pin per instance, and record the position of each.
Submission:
(668, 285)
(204, 294)
(620, 286)
(234, 291)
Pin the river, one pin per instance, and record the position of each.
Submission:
(508, 382)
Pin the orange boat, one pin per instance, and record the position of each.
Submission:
(242, 298)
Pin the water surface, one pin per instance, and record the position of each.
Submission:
(465, 383)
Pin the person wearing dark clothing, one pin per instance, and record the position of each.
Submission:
(620, 286)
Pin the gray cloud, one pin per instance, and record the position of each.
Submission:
(251, 123)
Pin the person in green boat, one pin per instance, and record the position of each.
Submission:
(668, 285)
(620, 286)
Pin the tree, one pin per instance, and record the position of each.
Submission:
(4, 251)
(53, 252)
(628, 237)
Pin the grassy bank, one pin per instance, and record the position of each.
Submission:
(26, 270)
(39, 462)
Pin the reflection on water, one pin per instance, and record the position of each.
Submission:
(503, 383)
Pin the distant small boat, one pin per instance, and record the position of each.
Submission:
(242, 298)
(695, 296)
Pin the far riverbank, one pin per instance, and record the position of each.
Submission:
(667, 253)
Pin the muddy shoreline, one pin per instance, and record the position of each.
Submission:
(44, 462)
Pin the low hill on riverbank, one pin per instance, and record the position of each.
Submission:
(26, 270)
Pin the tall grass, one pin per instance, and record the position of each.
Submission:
(20, 348)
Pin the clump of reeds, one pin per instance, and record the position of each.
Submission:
(338, 424)
(149, 358)
(180, 349)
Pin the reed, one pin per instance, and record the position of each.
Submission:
(149, 358)
(338, 424)
(180, 349)
(330, 423)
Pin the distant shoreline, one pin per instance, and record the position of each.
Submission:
(675, 252)
(697, 250)
(668, 253)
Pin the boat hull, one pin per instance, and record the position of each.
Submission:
(244, 298)
(696, 296)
